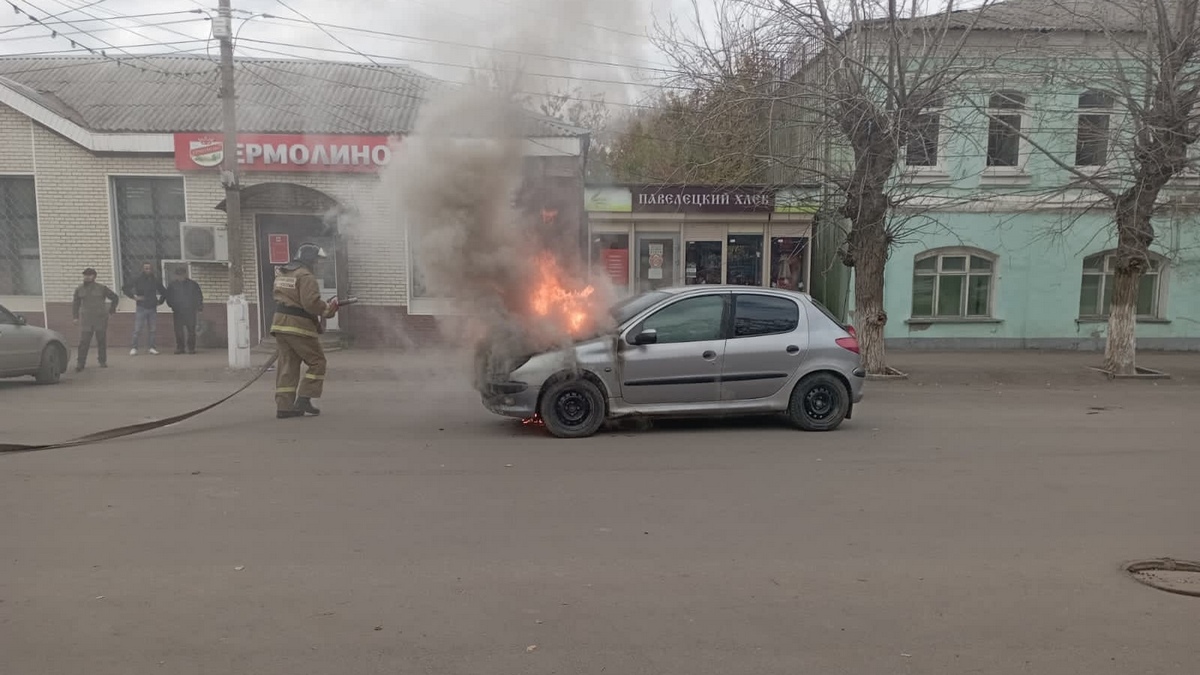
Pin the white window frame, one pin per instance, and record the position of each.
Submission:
(1113, 124)
(956, 252)
(937, 169)
(1023, 147)
(1160, 296)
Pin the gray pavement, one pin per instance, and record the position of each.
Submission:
(970, 520)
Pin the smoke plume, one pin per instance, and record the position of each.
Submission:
(457, 184)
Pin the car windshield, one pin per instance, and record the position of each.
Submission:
(632, 306)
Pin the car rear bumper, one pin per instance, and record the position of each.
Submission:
(510, 399)
(858, 378)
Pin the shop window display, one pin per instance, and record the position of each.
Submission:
(787, 262)
(745, 260)
(703, 263)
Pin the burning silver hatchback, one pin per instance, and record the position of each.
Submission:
(691, 351)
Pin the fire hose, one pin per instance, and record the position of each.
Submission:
(142, 427)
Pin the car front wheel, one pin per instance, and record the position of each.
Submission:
(51, 368)
(572, 408)
(819, 403)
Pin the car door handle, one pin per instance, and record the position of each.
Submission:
(793, 349)
(709, 355)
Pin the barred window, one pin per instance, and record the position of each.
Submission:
(20, 255)
(148, 213)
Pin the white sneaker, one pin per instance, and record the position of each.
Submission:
(133, 352)
(153, 351)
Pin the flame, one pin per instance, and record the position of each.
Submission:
(553, 299)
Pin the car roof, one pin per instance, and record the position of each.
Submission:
(703, 288)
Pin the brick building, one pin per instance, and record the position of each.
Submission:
(109, 165)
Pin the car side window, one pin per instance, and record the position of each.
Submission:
(755, 315)
(690, 320)
(7, 318)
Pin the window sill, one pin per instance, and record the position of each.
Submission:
(1005, 178)
(1104, 319)
(926, 175)
(925, 321)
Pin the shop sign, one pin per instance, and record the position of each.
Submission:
(702, 199)
(608, 200)
(286, 152)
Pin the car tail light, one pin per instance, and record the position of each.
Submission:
(853, 333)
(848, 343)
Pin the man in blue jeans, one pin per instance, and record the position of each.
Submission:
(149, 293)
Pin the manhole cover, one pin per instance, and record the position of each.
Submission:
(1173, 576)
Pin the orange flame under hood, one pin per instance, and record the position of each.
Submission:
(567, 306)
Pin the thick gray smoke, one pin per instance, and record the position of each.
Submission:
(457, 186)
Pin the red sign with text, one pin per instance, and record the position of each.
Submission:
(287, 152)
(616, 264)
(280, 249)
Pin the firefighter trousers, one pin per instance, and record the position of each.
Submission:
(294, 350)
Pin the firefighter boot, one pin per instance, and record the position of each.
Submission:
(304, 406)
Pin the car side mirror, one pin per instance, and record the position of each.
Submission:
(20, 320)
(646, 337)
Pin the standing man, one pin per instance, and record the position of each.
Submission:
(90, 313)
(295, 326)
(149, 293)
(186, 300)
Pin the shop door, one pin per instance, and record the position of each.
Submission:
(279, 236)
(657, 261)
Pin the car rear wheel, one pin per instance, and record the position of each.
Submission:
(819, 403)
(51, 369)
(572, 408)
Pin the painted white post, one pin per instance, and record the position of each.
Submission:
(238, 322)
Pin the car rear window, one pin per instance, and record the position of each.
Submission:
(755, 315)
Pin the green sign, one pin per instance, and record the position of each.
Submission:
(608, 200)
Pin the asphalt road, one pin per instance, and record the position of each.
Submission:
(948, 528)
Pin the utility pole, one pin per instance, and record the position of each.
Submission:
(237, 309)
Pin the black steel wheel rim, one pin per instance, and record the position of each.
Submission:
(820, 402)
(573, 408)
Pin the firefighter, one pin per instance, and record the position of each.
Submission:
(298, 312)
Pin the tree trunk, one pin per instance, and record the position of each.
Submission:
(869, 315)
(1120, 349)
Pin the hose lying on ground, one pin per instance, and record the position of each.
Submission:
(132, 429)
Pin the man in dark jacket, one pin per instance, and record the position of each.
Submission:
(90, 311)
(149, 293)
(186, 300)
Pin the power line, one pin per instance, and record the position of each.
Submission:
(96, 31)
(452, 43)
(374, 59)
(135, 21)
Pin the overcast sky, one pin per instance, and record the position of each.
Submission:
(601, 44)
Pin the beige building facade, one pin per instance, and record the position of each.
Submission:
(80, 190)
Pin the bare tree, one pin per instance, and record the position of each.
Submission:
(862, 80)
(712, 128)
(1145, 69)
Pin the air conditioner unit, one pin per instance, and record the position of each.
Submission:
(204, 243)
